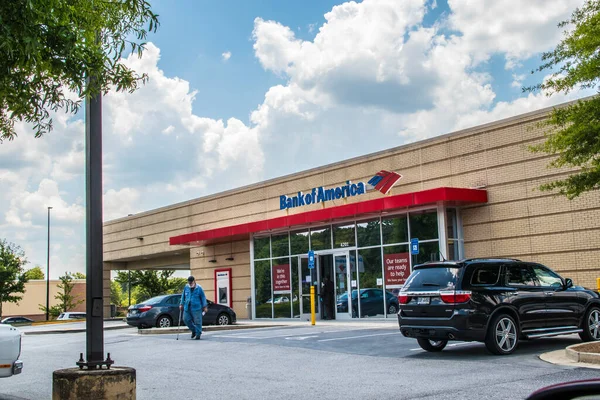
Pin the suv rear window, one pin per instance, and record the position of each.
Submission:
(433, 278)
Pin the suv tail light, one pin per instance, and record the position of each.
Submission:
(145, 308)
(455, 296)
(403, 298)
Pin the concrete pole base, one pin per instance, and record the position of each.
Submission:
(116, 383)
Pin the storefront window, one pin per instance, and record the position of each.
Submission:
(427, 252)
(424, 225)
(261, 248)
(282, 287)
(299, 242)
(395, 229)
(371, 294)
(295, 289)
(451, 224)
(262, 285)
(452, 232)
(343, 236)
(320, 239)
(453, 252)
(279, 245)
(368, 233)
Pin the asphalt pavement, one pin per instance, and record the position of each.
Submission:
(328, 361)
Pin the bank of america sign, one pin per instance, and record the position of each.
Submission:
(383, 181)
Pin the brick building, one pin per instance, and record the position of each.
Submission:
(472, 193)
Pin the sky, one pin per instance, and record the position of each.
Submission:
(243, 91)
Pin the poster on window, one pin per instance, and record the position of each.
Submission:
(223, 287)
(281, 279)
(397, 269)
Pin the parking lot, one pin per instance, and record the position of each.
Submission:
(326, 361)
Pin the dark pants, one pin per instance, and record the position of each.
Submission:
(328, 306)
(193, 320)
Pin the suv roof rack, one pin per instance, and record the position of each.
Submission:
(491, 258)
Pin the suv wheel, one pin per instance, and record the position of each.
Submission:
(502, 336)
(432, 345)
(591, 325)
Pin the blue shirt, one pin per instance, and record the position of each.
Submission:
(193, 299)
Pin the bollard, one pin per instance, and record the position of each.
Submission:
(312, 305)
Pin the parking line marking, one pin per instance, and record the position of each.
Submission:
(358, 337)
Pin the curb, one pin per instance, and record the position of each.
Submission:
(78, 330)
(579, 356)
(206, 328)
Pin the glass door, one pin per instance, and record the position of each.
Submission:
(308, 277)
(343, 288)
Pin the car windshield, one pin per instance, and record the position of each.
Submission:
(154, 300)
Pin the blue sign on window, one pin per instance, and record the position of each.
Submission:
(311, 260)
(414, 246)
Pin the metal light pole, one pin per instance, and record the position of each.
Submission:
(48, 271)
(94, 325)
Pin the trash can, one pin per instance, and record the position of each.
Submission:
(113, 310)
(249, 307)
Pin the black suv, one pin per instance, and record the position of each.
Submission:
(495, 301)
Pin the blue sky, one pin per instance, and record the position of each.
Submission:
(306, 83)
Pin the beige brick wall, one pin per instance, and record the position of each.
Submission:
(518, 221)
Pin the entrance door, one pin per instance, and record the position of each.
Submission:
(343, 289)
(308, 277)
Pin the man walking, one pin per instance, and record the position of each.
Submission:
(193, 302)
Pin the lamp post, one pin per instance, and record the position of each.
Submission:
(48, 271)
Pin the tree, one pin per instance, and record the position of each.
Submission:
(49, 47)
(78, 275)
(12, 274)
(35, 273)
(116, 293)
(149, 283)
(573, 132)
(66, 300)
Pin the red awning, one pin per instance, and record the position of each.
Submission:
(242, 231)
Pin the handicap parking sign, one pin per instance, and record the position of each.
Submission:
(414, 246)
(311, 260)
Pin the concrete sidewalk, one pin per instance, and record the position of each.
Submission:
(559, 357)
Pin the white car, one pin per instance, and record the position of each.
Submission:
(10, 351)
(69, 316)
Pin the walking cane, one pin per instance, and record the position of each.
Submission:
(179, 323)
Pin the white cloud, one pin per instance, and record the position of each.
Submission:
(226, 56)
(518, 29)
(120, 203)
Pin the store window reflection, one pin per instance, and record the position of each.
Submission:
(395, 229)
(427, 252)
(320, 239)
(299, 242)
(371, 295)
(280, 245)
(343, 236)
(262, 285)
(262, 248)
(368, 233)
(424, 225)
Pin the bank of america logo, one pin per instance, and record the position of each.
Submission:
(384, 181)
